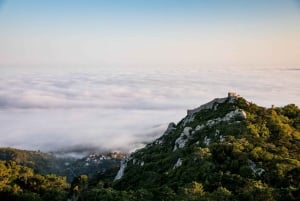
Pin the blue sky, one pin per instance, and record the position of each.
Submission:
(140, 32)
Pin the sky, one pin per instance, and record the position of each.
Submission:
(156, 32)
(110, 75)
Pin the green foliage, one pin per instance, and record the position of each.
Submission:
(21, 183)
(36, 160)
(47, 163)
(257, 159)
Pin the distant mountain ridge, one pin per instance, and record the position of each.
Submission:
(42, 162)
(48, 163)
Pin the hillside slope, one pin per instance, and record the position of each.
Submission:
(227, 149)
(46, 163)
(41, 162)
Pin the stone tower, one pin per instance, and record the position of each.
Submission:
(232, 94)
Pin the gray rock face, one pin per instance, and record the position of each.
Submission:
(171, 127)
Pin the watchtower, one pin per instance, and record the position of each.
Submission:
(232, 94)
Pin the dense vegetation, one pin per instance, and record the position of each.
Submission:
(235, 150)
(43, 163)
(21, 183)
(46, 163)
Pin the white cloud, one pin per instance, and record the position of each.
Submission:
(119, 110)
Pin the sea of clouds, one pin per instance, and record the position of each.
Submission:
(120, 109)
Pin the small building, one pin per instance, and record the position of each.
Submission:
(232, 94)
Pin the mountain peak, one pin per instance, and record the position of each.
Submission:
(224, 146)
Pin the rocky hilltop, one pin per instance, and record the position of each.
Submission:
(227, 149)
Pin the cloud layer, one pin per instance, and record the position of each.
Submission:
(115, 110)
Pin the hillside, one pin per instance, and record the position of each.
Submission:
(46, 163)
(227, 149)
(39, 161)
